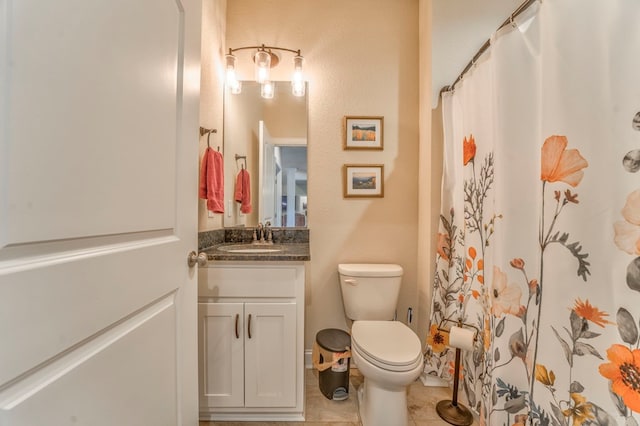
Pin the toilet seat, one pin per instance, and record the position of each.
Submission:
(389, 345)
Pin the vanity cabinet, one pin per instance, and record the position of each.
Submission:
(251, 329)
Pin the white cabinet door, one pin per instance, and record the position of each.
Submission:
(98, 211)
(221, 331)
(270, 355)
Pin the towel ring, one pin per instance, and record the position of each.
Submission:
(242, 157)
(208, 132)
(209, 135)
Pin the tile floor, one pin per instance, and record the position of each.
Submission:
(321, 411)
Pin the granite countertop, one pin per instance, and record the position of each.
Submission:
(286, 252)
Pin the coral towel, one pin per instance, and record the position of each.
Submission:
(243, 191)
(212, 181)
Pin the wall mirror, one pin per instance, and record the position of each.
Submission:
(267, 137)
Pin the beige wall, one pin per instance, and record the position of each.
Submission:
(211, 88)
(361, 58)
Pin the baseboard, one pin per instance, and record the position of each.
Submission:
(251, 417)
(429, 380)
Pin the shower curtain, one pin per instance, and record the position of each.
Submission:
(539, 239)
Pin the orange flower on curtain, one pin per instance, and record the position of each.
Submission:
(438, 339)
(468, 149)
(560, 164)
(591, 313)
(624, 372)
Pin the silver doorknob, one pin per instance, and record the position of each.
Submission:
(200, 259)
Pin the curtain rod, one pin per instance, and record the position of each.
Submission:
(524, 6)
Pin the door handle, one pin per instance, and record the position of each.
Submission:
(237, 318)
(200, 259)
(249, 327)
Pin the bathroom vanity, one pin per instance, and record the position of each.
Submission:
(251, 334)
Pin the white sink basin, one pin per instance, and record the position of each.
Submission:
(248, 249)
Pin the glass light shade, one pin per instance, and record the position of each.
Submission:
(262, 59)
(268, 89)
(230, 78)
(297, 81)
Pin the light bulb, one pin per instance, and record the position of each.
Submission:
(231, 79)
(262, 58)
(267, 90)
(297, 81)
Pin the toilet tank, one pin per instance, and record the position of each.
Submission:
(370, 290)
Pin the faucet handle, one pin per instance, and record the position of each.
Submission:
(258, 232)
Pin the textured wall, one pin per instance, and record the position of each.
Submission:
(211, 88)
(361, 58)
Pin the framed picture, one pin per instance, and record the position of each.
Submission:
(363, 133)
(363, 180)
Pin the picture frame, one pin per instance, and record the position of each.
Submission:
(363, 180)
(363, 133)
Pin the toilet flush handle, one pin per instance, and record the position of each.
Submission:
(351, 281)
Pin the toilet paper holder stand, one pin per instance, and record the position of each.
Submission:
(450, 410)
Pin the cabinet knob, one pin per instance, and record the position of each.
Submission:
(249, 327)
(237, 319)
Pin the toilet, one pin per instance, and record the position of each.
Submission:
(387, 352)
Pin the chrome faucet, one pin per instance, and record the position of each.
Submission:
(258, 235)
(262, 234)
(267, 234)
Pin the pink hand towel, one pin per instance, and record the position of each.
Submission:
(212, 180)
(243, 191)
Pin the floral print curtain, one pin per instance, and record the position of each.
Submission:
(539, 239)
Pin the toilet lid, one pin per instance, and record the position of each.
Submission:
(390, 344)
(370, 269)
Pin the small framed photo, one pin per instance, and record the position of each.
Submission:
(363, 180)
(363, 133)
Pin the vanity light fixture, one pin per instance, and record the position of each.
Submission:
(265, 58)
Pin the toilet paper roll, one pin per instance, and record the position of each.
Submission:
(461, 338)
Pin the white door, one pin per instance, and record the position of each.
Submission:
(221, 349)
(98, 183)
(270, 355)
(266, 175)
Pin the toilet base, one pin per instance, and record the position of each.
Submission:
(392, 411)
